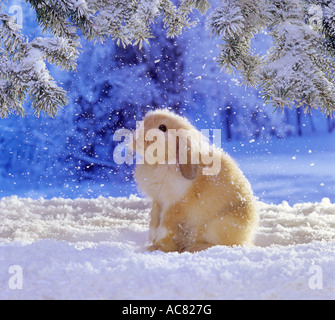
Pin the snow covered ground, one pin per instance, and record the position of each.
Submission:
(85, 246)
(96, 249)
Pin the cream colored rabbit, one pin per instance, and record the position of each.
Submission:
(193, 208)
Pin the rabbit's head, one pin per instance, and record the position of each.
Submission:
(165, 138)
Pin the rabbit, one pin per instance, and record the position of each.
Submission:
(192, 208)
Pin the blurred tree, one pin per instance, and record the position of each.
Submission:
(115, 90)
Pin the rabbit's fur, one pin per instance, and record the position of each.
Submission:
(191, 210)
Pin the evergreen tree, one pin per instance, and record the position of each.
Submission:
(113, 92)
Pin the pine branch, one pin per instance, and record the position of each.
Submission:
(299, 69)
(202, 6)
(10, 34)
(23, 71)
(61, 51)
(226, 21)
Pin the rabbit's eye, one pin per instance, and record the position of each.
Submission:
(163, 128)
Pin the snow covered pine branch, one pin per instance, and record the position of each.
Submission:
(298, 70)
(22, 64)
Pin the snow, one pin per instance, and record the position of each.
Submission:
(295, 170)
(84, 244)
(96, 249)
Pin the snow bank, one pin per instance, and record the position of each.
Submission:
(96, 249)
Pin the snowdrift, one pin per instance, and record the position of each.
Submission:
(96, 249)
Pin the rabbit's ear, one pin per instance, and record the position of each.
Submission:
(188, 170)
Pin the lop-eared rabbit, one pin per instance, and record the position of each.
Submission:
(195, 205)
